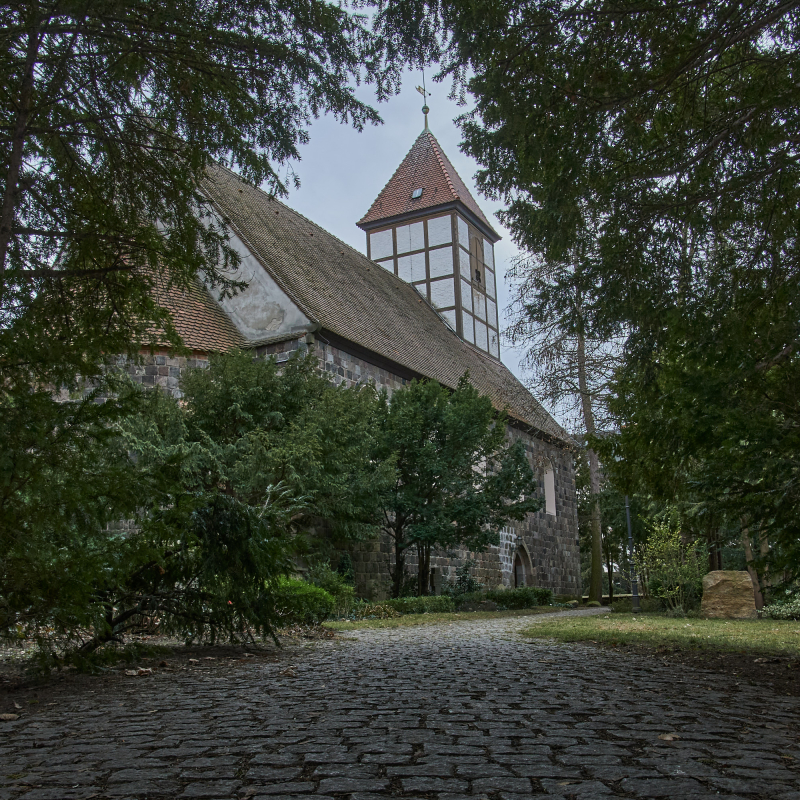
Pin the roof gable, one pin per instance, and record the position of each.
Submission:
(425, 167)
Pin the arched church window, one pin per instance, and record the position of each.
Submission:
(549, 489)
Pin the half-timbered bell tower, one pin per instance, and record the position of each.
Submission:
(427, 229)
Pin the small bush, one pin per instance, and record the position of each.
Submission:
(785, 610)
(336, 584)
(675, 567)
(422, 605)
(332, 581)
(301, 603)
(363, 610)
(346, 569)
(464, 583)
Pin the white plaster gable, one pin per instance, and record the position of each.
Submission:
(263, 309)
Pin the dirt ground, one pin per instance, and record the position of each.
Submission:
(21, 686)
(776, 674)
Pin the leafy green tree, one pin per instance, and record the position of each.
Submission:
(265, 457)
(671, 133)
(110, 113)
(254, 425)
(458, 480)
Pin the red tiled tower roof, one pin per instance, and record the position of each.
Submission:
(425, 167)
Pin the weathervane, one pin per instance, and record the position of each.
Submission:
(425, 95)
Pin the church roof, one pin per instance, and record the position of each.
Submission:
(425, 167)
(352, 297)
(199, 321)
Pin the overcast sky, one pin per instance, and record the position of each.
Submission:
(343, 171)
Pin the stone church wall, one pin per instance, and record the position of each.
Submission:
(547, 544)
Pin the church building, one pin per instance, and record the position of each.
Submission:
(422, 304)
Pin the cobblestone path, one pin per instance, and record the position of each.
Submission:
(465, 710)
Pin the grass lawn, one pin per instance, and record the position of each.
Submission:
(430, 619)
(656, 630)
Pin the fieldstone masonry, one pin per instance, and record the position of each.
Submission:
(162, 369)
(546, 544)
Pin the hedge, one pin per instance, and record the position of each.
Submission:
(421, 605)
(646, 604)
(522, 597)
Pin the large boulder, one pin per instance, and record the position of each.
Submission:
(728, 594)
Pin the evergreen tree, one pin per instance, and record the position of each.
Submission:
(186, 511)
(110, 113)
(675, 128)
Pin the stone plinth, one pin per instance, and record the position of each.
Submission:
(728, 594)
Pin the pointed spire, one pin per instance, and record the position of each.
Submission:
(425, 167)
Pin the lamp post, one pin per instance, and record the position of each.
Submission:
(634, 583)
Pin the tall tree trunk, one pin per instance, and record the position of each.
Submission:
(766, 582)
(423, 569)
(399, 564)
(714, 553)
(748, 555)
(24, 105)
(596, 575)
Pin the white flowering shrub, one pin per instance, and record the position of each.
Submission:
(785, 610)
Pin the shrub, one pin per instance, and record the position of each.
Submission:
(785, 610)
(332, 581)
(522, 597)
(363, 610)
(335, 584)
(422, 605)
(346, 569)
(298, 602)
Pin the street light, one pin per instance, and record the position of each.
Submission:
(634, 583)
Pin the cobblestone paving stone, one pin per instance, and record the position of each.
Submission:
(453, 711)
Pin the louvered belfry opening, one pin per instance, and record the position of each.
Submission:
(426, 228)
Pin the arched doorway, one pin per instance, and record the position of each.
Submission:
(522, 570)
(519, 572)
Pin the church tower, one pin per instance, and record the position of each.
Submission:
(427, 229)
